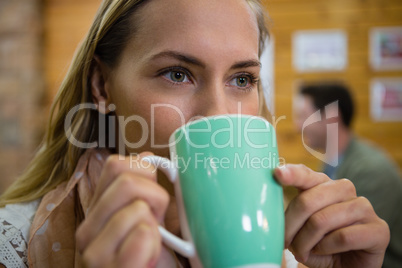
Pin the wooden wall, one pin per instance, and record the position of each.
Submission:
(356, 18)
(66, 22)
(21, 86)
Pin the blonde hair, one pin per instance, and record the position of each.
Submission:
(56, 158)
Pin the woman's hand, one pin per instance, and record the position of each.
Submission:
(327, 225)
(121, 226)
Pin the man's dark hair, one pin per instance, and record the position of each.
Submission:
(323, 94)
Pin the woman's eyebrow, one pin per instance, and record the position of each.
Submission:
(194, 61)
(245, 64)
(179, 56)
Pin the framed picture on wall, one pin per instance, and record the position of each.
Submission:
(386, 48)
(319, 50)
(386, 99)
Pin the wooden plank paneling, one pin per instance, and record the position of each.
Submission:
(356, 18)
(65, 24)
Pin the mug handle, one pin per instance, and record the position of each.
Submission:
(185, 248)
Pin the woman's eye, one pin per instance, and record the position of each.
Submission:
(241, 81)
(177, 76)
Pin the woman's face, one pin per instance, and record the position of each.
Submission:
(187, 59)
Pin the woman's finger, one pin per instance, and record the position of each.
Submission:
(299, 176)
(140, 248)
(313, 200)
(355, 237)
(126, 189)
(330, 218)
(114, 166)
(353, 246)
(104, 246)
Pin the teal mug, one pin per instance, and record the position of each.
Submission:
(230, 206)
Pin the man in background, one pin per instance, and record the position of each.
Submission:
(323, 114)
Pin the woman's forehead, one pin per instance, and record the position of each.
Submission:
(180, 14)
(190, 26)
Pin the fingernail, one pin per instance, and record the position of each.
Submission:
(301, 259)
(144, 154)
(282, 171)
(277, 172)
(152, 263)
(297, 257)
(290, 248)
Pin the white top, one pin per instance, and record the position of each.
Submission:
(15, 222)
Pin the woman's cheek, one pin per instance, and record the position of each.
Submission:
(165, 120)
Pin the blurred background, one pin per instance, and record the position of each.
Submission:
(38, 40)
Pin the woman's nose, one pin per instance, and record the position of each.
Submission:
(214, 101)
